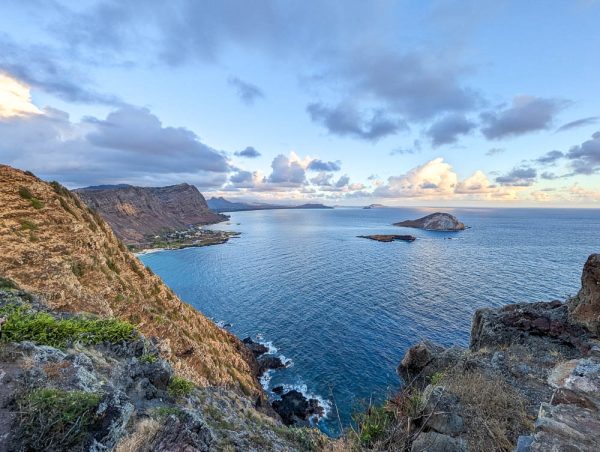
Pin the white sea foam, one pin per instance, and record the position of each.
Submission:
(265, 379)
(302, 388)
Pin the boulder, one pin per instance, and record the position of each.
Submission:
(256, 348)
(438, 221)
(423, 360)
(268, 363)
(585, 308)
(433, 441)
(295, 409)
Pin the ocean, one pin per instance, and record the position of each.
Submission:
(343, 310)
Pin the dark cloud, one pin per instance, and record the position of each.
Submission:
(585, 158)
(249, 152)
(344, 120)
(129, 146)
(322, 180)
(320, 165)
(526, 114)
(518, 177)
(342, 181)
(579, 123)
(41, 67)
(449, 128)
(495, 151)
(548, 175)
(247, 92)
(550, 157)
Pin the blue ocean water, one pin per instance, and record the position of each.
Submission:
(345, 309)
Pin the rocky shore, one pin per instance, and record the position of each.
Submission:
(530, 379)
(188, 238)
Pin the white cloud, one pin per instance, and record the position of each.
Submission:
(15, 98)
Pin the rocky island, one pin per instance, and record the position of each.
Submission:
(389, 237)
(438, 221)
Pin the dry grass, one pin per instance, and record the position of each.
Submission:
(494, 411)
(141, 438)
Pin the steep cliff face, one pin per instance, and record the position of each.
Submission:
(55, 247)
(585, 308)
(136, 213)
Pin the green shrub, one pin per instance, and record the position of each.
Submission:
(42, 328)
(6, 283)
(436, 378)
(51, 419)
(180, 387)
(28, 225)
(110, 264)
(36, 203)
(25, 193)
(373, 423)
(77, 268)
(166, 411)
(148, 358)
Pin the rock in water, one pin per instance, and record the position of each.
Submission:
(585, 308)
(438, 221)
(256, 348)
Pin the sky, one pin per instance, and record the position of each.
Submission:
(347, 102)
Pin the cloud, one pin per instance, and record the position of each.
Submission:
(449, 128)
(526, 114)
(495, 151)
(548, 175)
(42, 67)
(288, 171)
(434, 179)
(15, 98)
(129, 146)
(322, 180)
(579, 123)
(344, 120)
(249, 152)
(247, 92)
(585, 158)
(550, 157)
(582, 194)
(320, 165)
(518, 177)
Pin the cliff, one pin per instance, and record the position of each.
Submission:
(139, 213)
(53, 246)
(529, 381)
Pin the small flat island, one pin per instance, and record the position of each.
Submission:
(438, 221)
(389, 237)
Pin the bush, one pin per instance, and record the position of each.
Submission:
(28, 225)
(6, 283)
(25, 193)
(51, 419)
(42, 328)
(373, 423)
(148, 358)
(77, 268)
(180, 387)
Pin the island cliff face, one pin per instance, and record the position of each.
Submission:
(137, 213)
(438, 221)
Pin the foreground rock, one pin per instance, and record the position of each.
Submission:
(118, 395)
(389, 237)
(585, 308)
(529, 380)
(438, 221)
(296, 409)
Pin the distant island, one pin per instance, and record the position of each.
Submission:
(389, 237)
(438, 221)
(221, 205)
(375, 206)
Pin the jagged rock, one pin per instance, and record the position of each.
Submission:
(436, 442)
(256, 348)
(444, 409)
(521, 323)
(295, 409)
(188, 435)
(269, 363)
(423, 360)
(585, 308)
(113, 414)
(438, 221)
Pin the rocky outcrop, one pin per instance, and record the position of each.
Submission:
(438, 221)
(136, 214)
(295, 409)
(526, 362)
(585, 308)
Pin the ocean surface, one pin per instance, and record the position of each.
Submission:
(345, 309)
